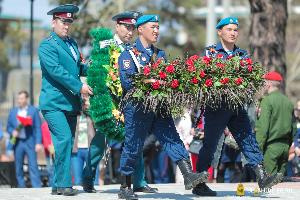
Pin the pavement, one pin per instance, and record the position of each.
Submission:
(287, 190)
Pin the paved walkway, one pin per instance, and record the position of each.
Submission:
(166, 191)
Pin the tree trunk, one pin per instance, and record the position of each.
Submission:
(267, 33)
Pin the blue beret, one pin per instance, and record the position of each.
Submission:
(226, 21)
(146, 18)
(67, 8)
(125, 16)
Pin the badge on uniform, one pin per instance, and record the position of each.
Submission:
(126, 64)
(144, 59)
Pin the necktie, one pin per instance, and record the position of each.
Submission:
(71, 49)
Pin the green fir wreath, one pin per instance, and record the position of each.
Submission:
(101, 103)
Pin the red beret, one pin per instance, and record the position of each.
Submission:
(273, 76)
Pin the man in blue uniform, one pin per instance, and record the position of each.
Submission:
(124, 29)
(237, 121)
(28, 139)
(60, 98)
(139, 124)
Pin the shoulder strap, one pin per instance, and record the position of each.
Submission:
(136, 62)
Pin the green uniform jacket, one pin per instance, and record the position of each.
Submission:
(275, 123)
(61, 83)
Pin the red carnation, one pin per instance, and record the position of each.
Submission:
(202, 74)
(189, 62)
(220, 65)
(162, 75)
(209, 82)
(194, 57)
(219, 55)
(238, 81)
(174, 83)
(147, 71)
(194, 80)
(156, 85)
(170, 69)
(156, 64)
(248, 61)
(191, 68)
(206, 60)
(229, 57)
(224, 81)
(24, 121)
(242, 62)
(250, 68)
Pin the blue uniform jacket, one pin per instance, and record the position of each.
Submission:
(213, 50)
(61, 83)
(33, 133)
(127, 67)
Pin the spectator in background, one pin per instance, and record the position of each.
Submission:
(230, 160)
(84, 133)
(293, 168)
(26, 139)
(297, 137)
(184, 127)
(274, 126)
(49, 150)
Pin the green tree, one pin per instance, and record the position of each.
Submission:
(15, 38)
(267, 33)
(4, 64)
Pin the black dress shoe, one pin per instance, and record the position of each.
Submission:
(127, 193)
(54, 191)
(67, 191)
(89, 188)
(203, 190)
(146, 189)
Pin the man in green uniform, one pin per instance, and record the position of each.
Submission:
(274, 127)
(60, 97)
(124, 32)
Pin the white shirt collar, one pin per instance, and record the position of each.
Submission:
(22, 111)
(118, 40)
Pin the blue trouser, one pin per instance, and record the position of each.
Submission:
(239, 125)
(23, 147)
(62, 126)
(78, 159)
(96, 152)
(137, 126)
(160, 166)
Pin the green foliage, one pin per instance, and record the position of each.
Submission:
(101, 104)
